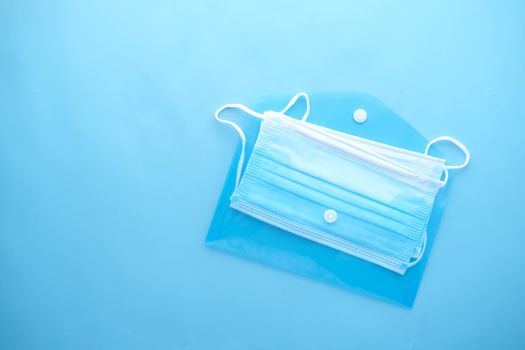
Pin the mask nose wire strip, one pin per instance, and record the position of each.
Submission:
(423, 247)
(293, 101)
(256, 115)
(458, 144)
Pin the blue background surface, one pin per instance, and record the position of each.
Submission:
(111, 166)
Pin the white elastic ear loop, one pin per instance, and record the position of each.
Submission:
(461, 146)
(293, 101)
(239, 131)
(257, 115)
(423, 247)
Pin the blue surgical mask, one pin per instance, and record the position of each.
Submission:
(361, 197)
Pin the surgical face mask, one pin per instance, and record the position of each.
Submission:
(361, 197)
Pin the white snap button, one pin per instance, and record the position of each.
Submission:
(330, 216)
(360, 115)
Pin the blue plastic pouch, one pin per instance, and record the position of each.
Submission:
(240, 234)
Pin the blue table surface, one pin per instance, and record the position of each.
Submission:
(112, 164)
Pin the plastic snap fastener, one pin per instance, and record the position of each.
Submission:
(360, 115)
(330, 216)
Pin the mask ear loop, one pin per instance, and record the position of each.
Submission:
(293, 101)
(464, 149)
(256, 115)
(461, 146)
(423, 247)
(239, 131)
